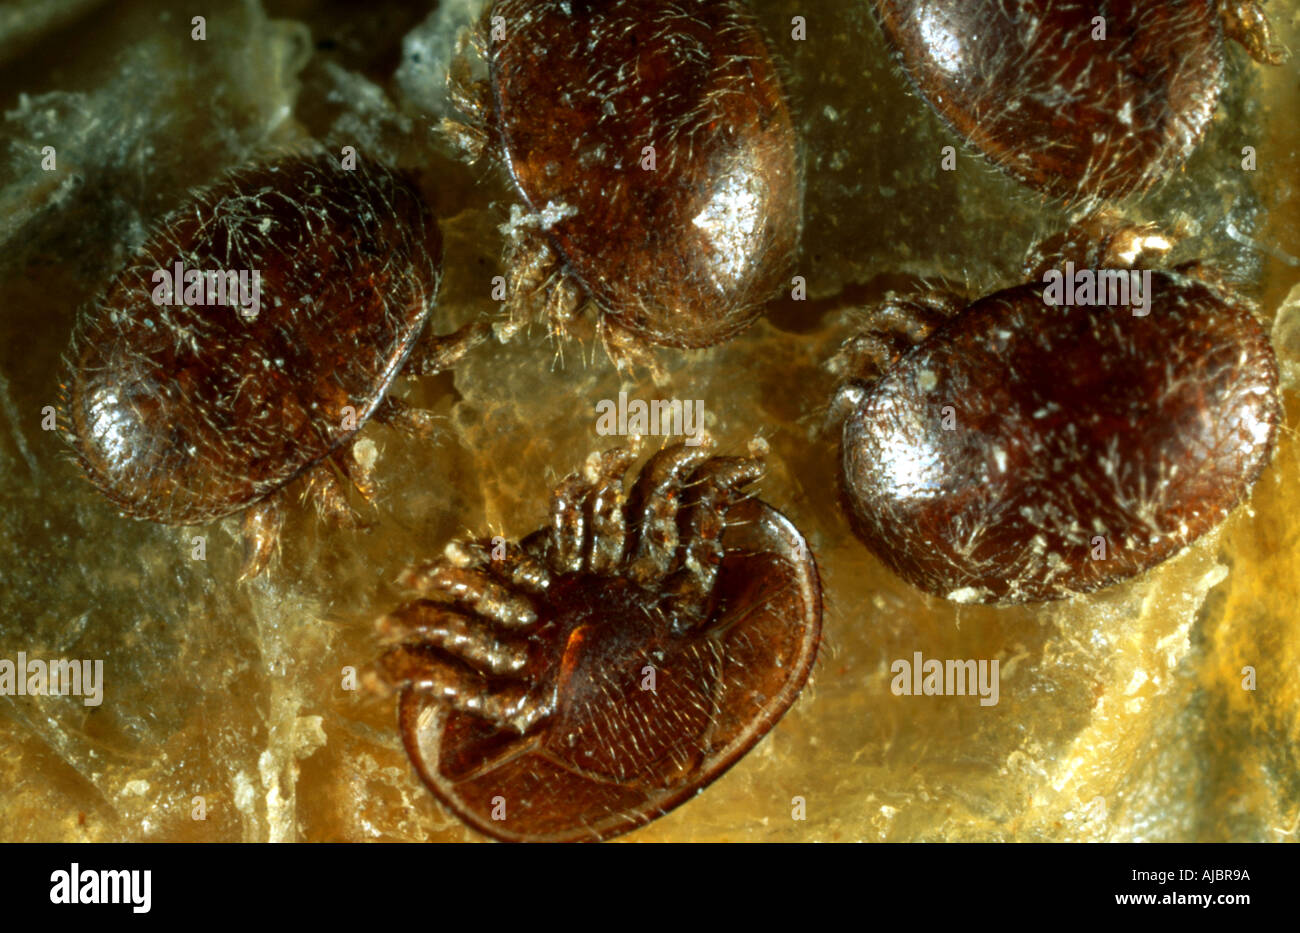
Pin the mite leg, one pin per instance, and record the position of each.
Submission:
(1244, 21)
(474, 589)
(401, 417)
(465, 637)
(330, 496)
(606, 503)
(568, 525)
(509, 561)
(562, 303)
(261, 534)
(440, 353)
(655, 501)
(449, 683)
(714, 487)
(627, 350)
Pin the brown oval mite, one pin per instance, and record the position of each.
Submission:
(191, 397)
(655, 154)
(1023, 452)
(1075, 99)
(586, 680)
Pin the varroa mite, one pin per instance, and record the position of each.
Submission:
(188, 411)
(654, 151)
(1022, 452)
(586, 680)
(1032, 86)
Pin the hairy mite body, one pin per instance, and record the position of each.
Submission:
(1075, 99)
(1023, 452)
(182, 409)
(655, 153)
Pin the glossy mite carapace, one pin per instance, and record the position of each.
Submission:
(653, 147)
(248, 340)
(1024, 452)
(1076, 99)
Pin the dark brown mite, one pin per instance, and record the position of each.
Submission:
(587, 680)
(581, 96)
(185, 413)
(1028, 85)
(1023, 452)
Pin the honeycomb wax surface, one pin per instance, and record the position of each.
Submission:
(1120, 716)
